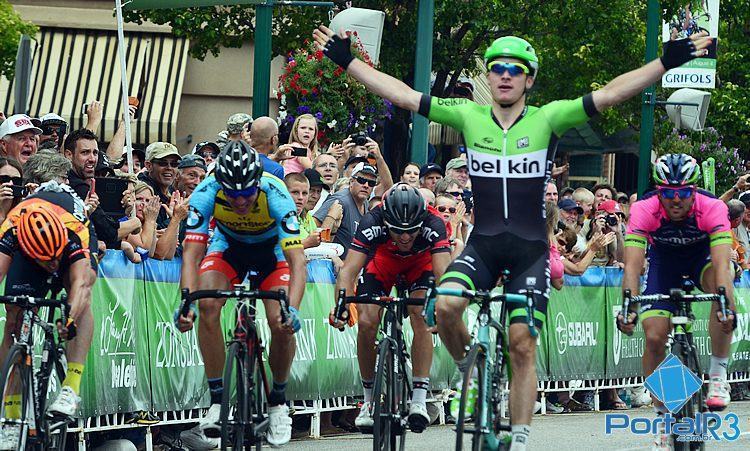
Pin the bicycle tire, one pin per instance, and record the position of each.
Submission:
(14, 365)
(257, 391)
(475, 360)
(695, 404)
(384, 400)
(233, 431)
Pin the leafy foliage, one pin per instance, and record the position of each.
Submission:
(313, 84)
(11, 29)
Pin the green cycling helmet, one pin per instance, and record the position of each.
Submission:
(513, 47)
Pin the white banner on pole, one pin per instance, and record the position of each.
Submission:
(700, 72)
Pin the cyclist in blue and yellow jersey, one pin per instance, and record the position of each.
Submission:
(256, 229)
(510, 147)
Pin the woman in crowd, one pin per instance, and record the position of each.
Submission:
(11, 175)
(304, 134)
(555, 260)
(411, 175)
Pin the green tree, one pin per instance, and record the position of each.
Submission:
(11, 29)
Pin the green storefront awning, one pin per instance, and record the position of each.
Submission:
(168, 4)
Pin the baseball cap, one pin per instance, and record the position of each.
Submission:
(199, 147)
(567, 190)
(745, 198)
(313, 177)
(192, 161)
(364, 167)
(222, 138)
(456, 163)
(103, 167)
(430, 167)
(237, 121)
(568, 205)
(18, 123)
(136, 151)
(610, 206)
(159, 150)
(354, 160)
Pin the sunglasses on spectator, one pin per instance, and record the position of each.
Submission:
(366, 181)
(52, 129)
(17, 181)
(670, 193)
(165, 163)
(207, 154)
(443, 208)
(455, 194)
(247, 192)
(514, 69)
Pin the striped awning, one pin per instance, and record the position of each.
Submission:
(72, 67)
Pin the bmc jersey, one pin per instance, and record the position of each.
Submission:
(509, 168)
(707, 224)
(274, 215)
(68, 207)
(372, 237)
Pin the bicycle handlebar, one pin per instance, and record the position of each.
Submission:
(675, 295)
(27, 302)
(340, 312)
(240, 293)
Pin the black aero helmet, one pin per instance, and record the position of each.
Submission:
(238, 166)
(404, 208)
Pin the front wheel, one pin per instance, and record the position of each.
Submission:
(472, 396)
(695, 404)
(386, 394)
(233, 426)
(16, 409)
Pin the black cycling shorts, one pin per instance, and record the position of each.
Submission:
(485, 258)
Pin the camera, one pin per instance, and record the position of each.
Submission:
(359, 138)
(468, 201)
(611, 220)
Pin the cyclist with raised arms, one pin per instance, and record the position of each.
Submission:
(257, 229)
(510, 147)
(400, 238)
(47, 243)
(689, 235)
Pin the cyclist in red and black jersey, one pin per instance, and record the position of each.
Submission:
(399, 239)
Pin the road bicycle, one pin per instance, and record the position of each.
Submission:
(392, 387)
(488, 365)
(681, 343)
(243, 423)
(25, 378)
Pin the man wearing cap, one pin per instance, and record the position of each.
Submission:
(608, 219)
(53, 128)
(206, 150)
(429, 175)
(351, 162)
(318, 190)
(236, 124)
(264, 137)
(348, 206)
(458, 169)
(569, 212)
(139, 160)
(190, 172)
(18, 137)
(162, 159)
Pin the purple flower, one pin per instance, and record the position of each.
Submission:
(388, 104)
(319, 116)
(290, 118)
(304, 109)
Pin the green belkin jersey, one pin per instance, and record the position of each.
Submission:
(509, 168)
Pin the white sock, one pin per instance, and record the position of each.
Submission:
(367, 387)
(419, 394)
(520, 437)
(718, 367)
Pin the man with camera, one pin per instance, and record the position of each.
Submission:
(608, 220)
(361, 145)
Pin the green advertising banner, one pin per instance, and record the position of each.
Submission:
(116, 376)
(739, 357)
(576, 329)
(623, 352)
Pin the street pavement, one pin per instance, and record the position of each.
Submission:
(562, 432)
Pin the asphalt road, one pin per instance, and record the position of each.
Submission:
(572, 431)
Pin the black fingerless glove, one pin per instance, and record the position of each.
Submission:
(677, 53)
(339, 51)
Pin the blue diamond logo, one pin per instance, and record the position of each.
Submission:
(673, 383)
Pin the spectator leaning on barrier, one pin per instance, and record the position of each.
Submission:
(190, 172)
(11, 174)
(411, 175)
(264, 138)
(299, 188)
(18, 137)
(459, 170)
(162, 160)
(736, 214)
(82, 149)
(347, 207)
(429, 175)
(550, 192)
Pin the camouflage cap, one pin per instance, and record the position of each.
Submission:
(159, 150)
(237, 121)
(222, 139)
